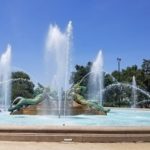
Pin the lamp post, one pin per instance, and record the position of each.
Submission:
(119, 60)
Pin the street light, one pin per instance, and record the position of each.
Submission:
(119, 60)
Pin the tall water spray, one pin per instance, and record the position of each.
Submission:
(5, 75)
(58, 46)
(96, 78)
(134, 92)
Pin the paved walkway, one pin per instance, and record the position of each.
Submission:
(72, 146)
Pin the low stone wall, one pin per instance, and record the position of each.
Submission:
(75, 134)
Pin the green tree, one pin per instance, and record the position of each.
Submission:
(21, 85)
(119, 95)
(80, 72)
(146, 72)
(146, 66)
(108, 79)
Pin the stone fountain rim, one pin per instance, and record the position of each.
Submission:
(75, 134)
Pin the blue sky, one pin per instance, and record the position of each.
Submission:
(120, 27)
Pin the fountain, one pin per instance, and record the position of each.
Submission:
(57, 53)
(134, 92)
(5, 74)
(57, 58)
(85, 126)
(95, 85)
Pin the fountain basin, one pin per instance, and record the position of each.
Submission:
(116, 117)
(120, 125)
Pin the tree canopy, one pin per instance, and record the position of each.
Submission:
(22, 85)
(117, 96)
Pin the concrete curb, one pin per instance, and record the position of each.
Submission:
(75, 134)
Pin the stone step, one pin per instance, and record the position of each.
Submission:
(60, 137)
(74, 134)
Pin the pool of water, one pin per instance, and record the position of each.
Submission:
(116, 117)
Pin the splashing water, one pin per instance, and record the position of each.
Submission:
(5, 74)
(58, 46)
(95, 85)
(134, 92)
(127, 86)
